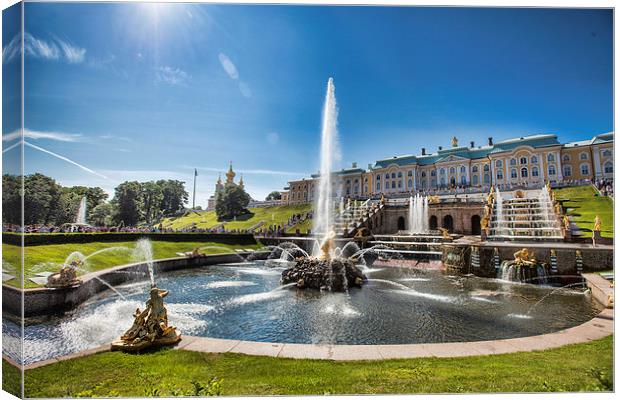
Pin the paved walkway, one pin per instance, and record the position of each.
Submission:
(600, 326)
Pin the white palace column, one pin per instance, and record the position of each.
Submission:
(559, 166)
(415, 179)
(493, 178)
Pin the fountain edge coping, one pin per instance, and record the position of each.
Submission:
(600, 326)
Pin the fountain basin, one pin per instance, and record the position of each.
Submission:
(336, 275)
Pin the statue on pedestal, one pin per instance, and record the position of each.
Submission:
(67, 276)
(597, 224)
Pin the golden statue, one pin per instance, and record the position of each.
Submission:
(484, 223)
(445, 233)
(67, 276)
(558, 209)
(433, 199)
(455, 142)
(490, 198)
(382, 199)
(150, 327)
(566, 222)
(553, 253)
(519, 194)
(327, 246)
(597, 224)
(524, 257)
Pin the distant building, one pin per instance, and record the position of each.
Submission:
(219, 186)
(529, 161)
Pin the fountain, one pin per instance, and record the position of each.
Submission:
(67, 276)
(81, 214)
(523, 268)
(418, 214)
(324, 270)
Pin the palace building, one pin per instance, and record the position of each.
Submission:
(219, 186)
(528, 161)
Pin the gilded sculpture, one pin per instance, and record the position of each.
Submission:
(597, 224)
(67, 276)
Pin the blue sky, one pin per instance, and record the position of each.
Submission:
(146, 91)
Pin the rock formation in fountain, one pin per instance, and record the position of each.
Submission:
(150, 327)
(323, 271)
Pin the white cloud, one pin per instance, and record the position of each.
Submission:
(53, 49)
(171, 76)
(29, 134)
(228, 66)
(273, 137)
(72, 53)
(12, 50)
(245, 90)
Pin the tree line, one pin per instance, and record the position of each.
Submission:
(47, 202)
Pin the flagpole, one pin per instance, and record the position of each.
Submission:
(194, 195)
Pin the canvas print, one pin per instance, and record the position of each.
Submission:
(252, 200)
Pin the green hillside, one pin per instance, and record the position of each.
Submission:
(277, 215)
(584, 204)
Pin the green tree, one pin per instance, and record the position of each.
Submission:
(103, 215)
(275, 195)
(41, 199)
(152, 196)
(231, 202)
(128, 202)
(68, 205)
(94, 196)
(11, 199)
(174, 196)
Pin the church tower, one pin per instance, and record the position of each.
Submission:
(230, 175)
(218, 185)
(241, 182)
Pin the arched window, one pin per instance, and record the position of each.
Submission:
(513, 161)
(513, 173)
(523, 172)
(443, 181)
(568, 171)
(566, 158)
(462, 169)
(348, 182)
(378, 177)
(498, 164)
(433, 173)
(387, 184)
(393, 175)
(523, 160)
(499, 174)
(474, 169)
(387, 176)
(585, 169)
(486, 167)
(423, 174)
(400, 184)
(393, 184)
(534, 171)
(463, 180)
(400, 174)
(474, 180)
(410, 183)
(609, 168)
(552, 170)
(550, 157)
(583, 156)
(452, 170)
(409, 173)
(606, 153)
(378, 186)
(534, 160)
(442, 171)
(487, 179)
(423, 183)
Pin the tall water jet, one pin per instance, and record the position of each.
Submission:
(144, 253)
(323, 215)
(418, 214)
(81, 213)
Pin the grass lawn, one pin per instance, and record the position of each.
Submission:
(586, 205)
(278, 215)
(581, 367)
(47, 257)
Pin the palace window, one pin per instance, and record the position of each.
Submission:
(486, 167)
(583, 156)
(443, 181)
(534, 160)
(523, 172)
(513, 161)
(452, 170)
(378, 177)
(487, 179)
(393, 184)
(387, 184)
(463, 180)
(400, 184)
(378, 186)
(442, 171)
(474, 180)
(513, 173)
(462, 169)
(393, 175)
(566, 158)
(423, 174)
(568, 171)
(585, 169)
(387, 176)
(348, 182)
(409, 173)
(609, 168)
(433, 173)
(410, 183)
(474, 169)
(534, 171)
(400, 174)
(423, 183)
(551, 169)
(606, 153)
(523, 160)
(498, 164)
(551, 158)
(500, 175)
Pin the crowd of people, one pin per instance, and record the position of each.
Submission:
(605, 186)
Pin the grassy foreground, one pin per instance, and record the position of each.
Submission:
(581, 367)
(277, 215)
(47, 257)
(586, 205)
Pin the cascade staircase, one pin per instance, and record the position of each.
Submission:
(355, 215)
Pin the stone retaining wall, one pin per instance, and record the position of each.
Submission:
(46, 301)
